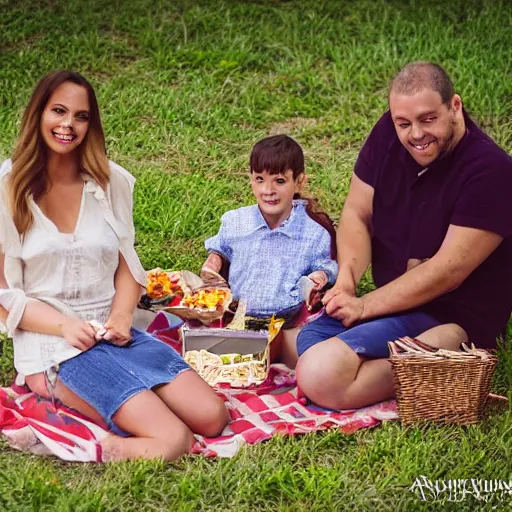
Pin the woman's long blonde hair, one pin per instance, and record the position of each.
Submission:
(28, 176)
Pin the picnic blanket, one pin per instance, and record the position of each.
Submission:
(259, 414)
(31, 423)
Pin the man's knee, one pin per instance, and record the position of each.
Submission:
(447, 336)
(325, 370)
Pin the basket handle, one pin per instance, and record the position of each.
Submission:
(413, 345)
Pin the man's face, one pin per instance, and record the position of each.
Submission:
(424, 124)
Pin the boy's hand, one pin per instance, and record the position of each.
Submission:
(320, 280)
(210, 272)
(212, 263)
(118, 328)
(319, 277)
(212, 280)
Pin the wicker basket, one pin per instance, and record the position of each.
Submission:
(440, 385)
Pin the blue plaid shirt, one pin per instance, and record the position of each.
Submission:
(266, 264)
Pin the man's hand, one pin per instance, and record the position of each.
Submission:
(345, 307)
(347, 288)
(78, 333)
(413, 263)
(118, 328)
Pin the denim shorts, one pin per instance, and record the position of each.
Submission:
(106, 376)
(370, 338)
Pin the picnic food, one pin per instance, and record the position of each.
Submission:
(206, 299)
(161, 284)
(243, 358)
(235, 369)
(183, 293)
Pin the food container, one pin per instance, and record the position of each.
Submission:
(238, 357)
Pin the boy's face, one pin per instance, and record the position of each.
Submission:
(274, 194)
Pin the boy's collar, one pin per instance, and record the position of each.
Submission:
(283, 228)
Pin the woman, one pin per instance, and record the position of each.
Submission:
(71, 280)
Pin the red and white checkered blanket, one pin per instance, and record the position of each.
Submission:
(31, 423)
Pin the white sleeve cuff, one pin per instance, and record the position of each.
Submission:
(14, 301)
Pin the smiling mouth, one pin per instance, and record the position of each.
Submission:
(272, 202)
(64, 139)
(421, 147)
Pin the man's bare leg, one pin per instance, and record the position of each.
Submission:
(326, 371)
(448, 336)
(332, 375)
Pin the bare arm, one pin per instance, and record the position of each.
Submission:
(39, 317)
(43, 318)
(461, 252)
(214, 271)
(212, 264)
(127, 296)
(353, 238)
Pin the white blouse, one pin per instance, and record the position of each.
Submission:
(72, 272)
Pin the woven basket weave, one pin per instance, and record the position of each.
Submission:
(440, 385)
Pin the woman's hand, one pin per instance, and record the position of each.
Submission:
(118, 328)
(78, 333)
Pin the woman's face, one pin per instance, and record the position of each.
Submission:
(65, 118)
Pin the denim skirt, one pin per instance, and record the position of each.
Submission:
(106, 376)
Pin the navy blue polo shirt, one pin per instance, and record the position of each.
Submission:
(413, 208)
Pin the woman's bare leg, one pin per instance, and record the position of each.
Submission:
(164, 436)
(37, 384)
(195, 403)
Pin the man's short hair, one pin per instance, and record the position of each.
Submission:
(418, 76)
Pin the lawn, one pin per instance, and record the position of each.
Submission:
(186, 88)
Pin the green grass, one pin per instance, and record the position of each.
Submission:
(186, 88)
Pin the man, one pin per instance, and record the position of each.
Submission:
(428, 207)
